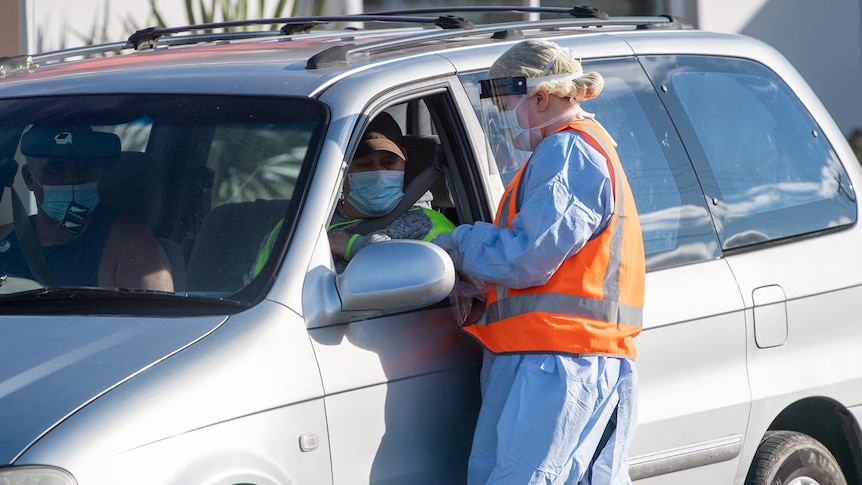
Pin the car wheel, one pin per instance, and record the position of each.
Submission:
(790, 458)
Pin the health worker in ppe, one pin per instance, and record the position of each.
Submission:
(373, 187)
(563, 265)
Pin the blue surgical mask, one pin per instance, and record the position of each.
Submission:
(375, 193)
(59, 197)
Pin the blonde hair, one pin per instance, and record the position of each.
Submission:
(539, 59)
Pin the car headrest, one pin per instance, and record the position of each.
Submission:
(131, 185)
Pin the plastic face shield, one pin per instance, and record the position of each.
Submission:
(508, 142)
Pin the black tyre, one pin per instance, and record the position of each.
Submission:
(790, 458)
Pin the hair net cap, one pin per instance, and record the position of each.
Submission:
(549, 67)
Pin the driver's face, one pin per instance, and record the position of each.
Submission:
(64, 172)
(377, 160)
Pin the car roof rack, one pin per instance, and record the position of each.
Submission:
(151, 37)
(350, 53)
(146, 38)
(450, 26)
(291, 25)
(582, 11)
(15, 65)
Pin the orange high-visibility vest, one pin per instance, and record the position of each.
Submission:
(593, 304)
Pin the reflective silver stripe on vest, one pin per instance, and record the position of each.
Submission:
(606, 310)
(611, 284)
(560, 303)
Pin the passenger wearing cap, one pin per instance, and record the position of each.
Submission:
(82, 245)
(373, 187)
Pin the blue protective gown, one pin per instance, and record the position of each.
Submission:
(565, 198)
(561, 419)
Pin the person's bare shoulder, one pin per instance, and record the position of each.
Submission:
(125, 228)
(130, 239)
(133, 258)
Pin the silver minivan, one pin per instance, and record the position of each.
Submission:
(298, 374)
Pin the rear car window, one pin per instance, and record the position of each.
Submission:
(675, 221)
(765, 169)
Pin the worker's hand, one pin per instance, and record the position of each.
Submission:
(448, 243)
(467, 299)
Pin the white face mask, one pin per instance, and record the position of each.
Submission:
(522, 138)
(527, 139)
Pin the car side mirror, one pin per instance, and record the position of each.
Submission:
(395, 276)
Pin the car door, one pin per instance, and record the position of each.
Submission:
(401, 391)
(785, 210)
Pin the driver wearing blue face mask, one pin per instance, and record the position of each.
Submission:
(66, 203)
(82, 245)
(373, 187)
(374, 181)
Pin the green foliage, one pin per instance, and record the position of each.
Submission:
(209, 11)
(99, 32)
(196, 11)
(257, 161)
(855, 140)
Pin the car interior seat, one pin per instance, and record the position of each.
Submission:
(422, 152)
(131, 186)
(226, 245)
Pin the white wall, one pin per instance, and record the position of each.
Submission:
(58, 24)
(59, 21)
(822, 39)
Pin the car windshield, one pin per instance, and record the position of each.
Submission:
(166, 197)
